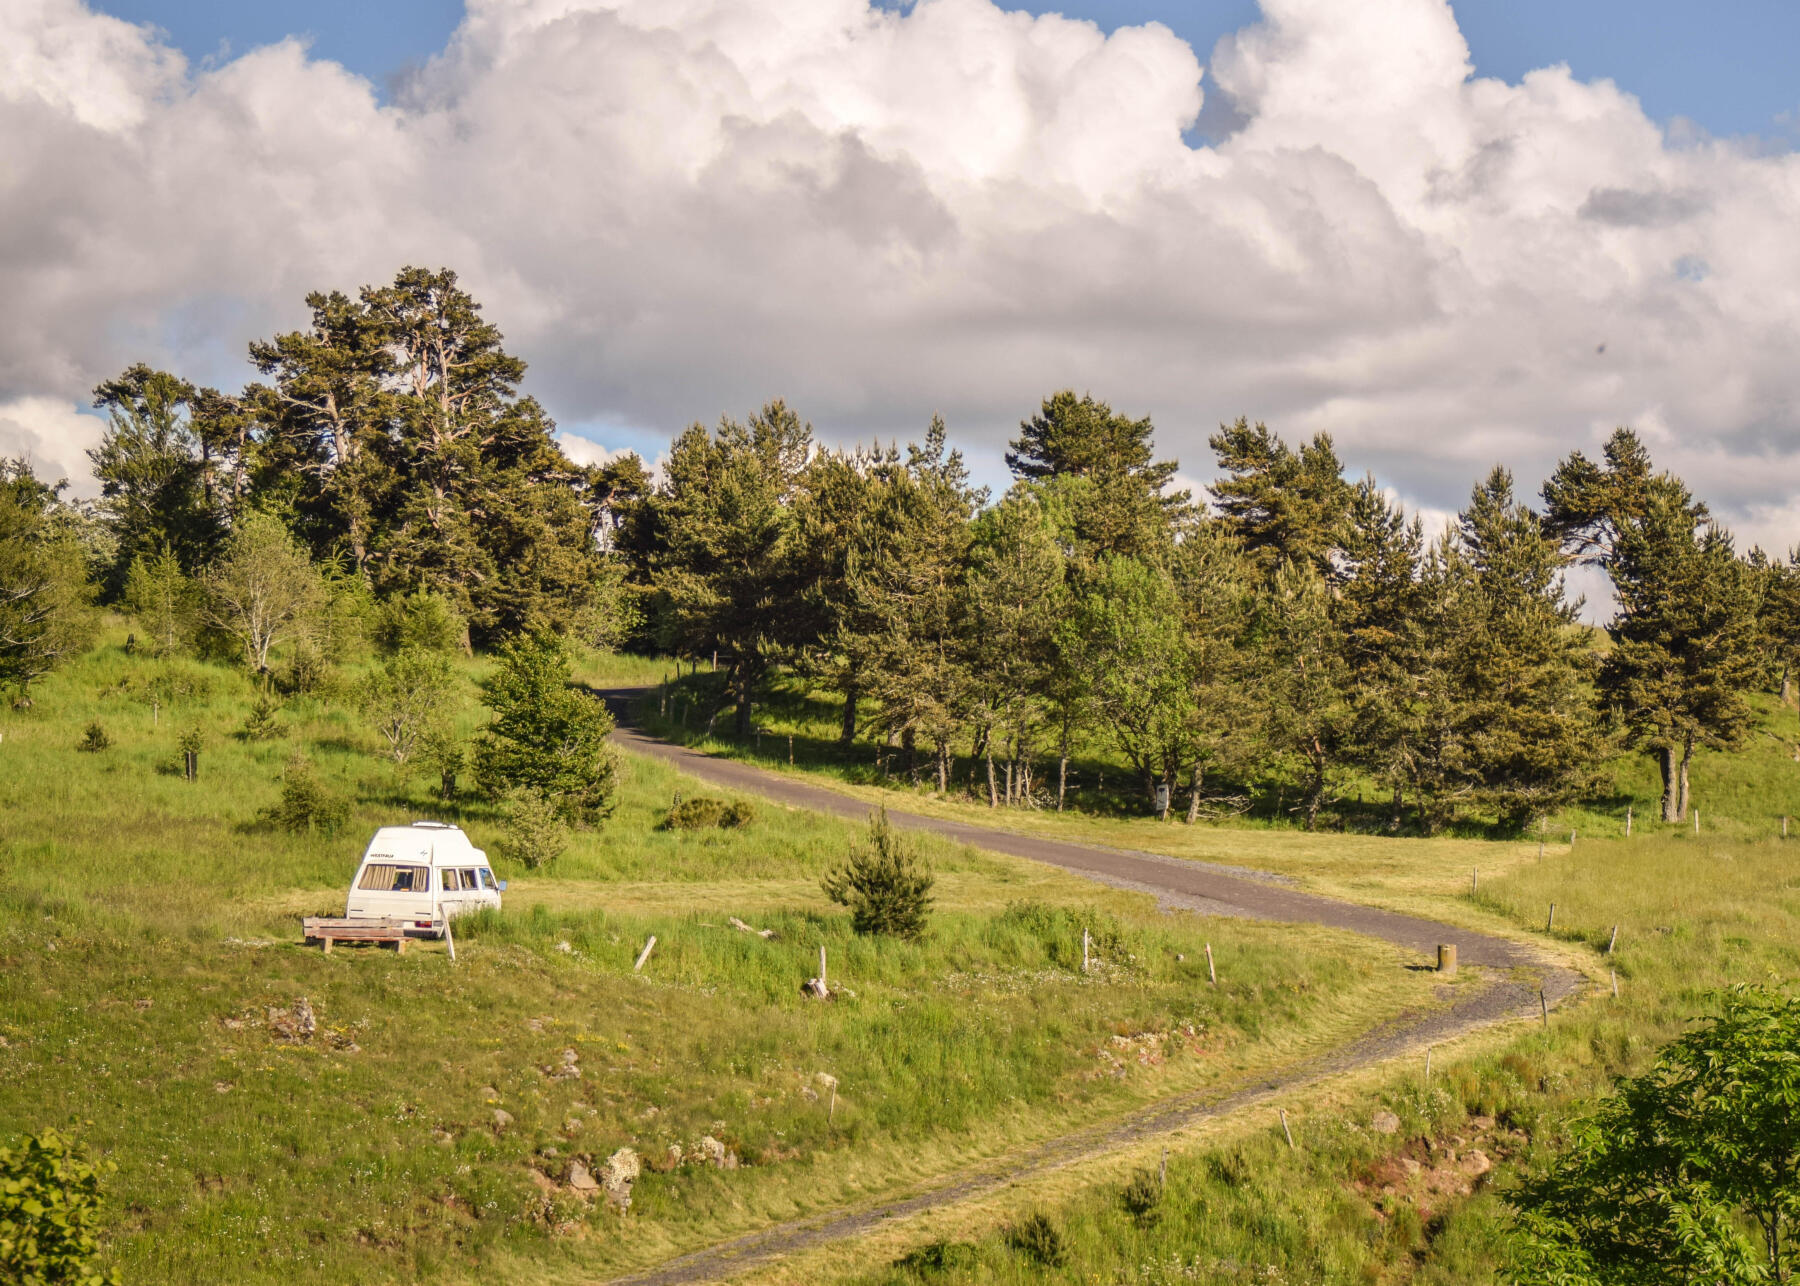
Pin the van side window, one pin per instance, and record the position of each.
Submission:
(469, 881)
(384, 877)
(487, 879)
(452, 879)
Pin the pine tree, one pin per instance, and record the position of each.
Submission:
(726, 570)
(44, 591)
(1684, 637)
(1016, 598)
(1520, 662)
(546, 738)
(1285, 506)
(908, 576)
(153, 479)
(1112, 487)
(1306, 686)
(164, 600)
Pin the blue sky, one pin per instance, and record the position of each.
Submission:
(1727, 66)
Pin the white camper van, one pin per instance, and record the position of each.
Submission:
(422, 874)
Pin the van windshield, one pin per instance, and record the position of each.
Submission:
(384, 877)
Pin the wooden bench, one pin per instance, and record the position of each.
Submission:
(321, 929)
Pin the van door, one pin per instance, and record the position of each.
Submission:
(390, 887)
(456, 889)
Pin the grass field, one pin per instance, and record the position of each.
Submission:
(1349, 1204)
(149, 958)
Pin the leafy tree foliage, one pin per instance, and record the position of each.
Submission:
(546, 738)
(165, 599)
(408, 697)
(1114, 485)
(50, 1213)
(263, 589)
(155, 485)
(1688, 1174)
(43, 579)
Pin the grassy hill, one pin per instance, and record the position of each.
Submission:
(151, 975)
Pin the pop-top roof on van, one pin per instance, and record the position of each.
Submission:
(449, 845)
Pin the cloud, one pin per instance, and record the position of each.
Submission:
(681, 208)
(53, 438)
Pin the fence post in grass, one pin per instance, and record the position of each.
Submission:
(1628, 821)
(1544, 1008)
(790, 749)
(822, 983)
(1571, 839)
(1285, 1130)
(1551, 922)
(1446, 963)
(832, 1110)
(449, 940)
(1084, 949)
(1162, 1174)
(1211, 975)
(1612, 941)
(1696, 821)
(1615, 978)
(1473, 885)
(1428, 1064)
(644, 954)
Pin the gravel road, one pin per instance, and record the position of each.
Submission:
(1512, 988)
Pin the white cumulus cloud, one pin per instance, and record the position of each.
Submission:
(678, 208)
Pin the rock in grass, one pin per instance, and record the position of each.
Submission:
(582, 1180)
(502, 1119)
(1385, 1122)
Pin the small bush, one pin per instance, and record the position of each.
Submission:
(94, 739)
(536, 835)
(49, 1206)
(261, 724)
(421, 620)
(700, 812)
(1142, 1198)
(306, 805)
(937, 1257)
(440, 752)
(1037, 1238)
(304, 672)
(883, 884)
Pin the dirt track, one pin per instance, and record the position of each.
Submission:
(1198, 886)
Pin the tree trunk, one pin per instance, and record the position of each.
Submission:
(848, 733)
(943, 767)
(1665, 762)
(743, 701)
(1687, 755)
(909, 750)
(1193, 812)
(993, 790)
(1009, 783)
(1399, 803)
(1787, 683)
(1062, 768)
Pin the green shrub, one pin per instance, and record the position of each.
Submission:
(536, 835)
(937, 1257)
(49, 1205)
(1037, 1238)
(700, 812)
(94, 738)
(1142, 1197)
(306, 804)
(261, 724)
(883, 884)
(421, 620)
(304, 672)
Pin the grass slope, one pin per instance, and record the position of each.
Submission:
(149, 955)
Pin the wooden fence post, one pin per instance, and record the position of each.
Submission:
(1211, 975)
(644, 954)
